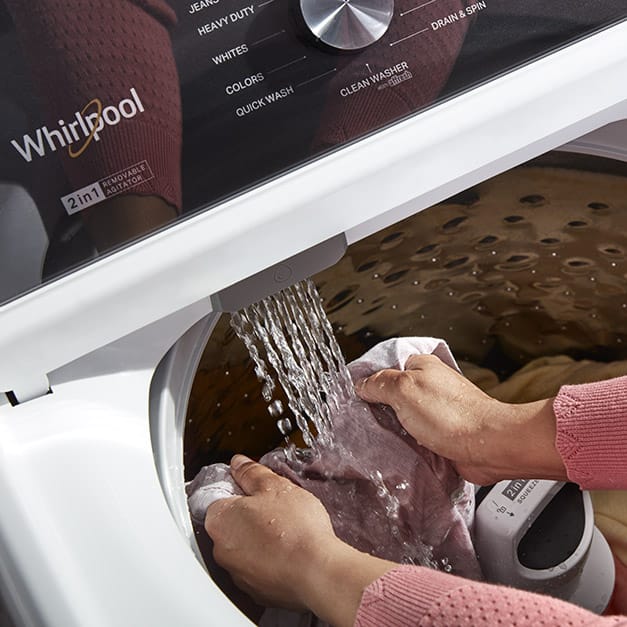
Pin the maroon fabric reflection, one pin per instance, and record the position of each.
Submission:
(80, 52)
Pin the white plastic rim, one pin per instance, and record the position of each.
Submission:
(169, 400)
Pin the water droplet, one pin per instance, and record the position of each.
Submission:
(360, 301)
(493, 252)
(376, 275)
(415, 282)
(275, 408)
(394, 307)
(593, 278)
(227, 373)
(284, 425)
(266, 392)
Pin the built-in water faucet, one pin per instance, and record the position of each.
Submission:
(281, 275)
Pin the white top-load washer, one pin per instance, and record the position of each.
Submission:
(304, 126)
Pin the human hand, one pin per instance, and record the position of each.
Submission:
(278, 545)
(487, 440)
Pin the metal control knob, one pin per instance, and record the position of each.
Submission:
(347, 25)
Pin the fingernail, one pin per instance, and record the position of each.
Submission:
(361, 382)
(239, 460)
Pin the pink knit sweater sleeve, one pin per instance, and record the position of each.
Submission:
(416, 596)
(592, 433)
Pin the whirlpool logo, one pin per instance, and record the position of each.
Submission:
(78, 134)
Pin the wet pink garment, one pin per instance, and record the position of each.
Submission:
(592, 441)
(435, 506)
(417, 509)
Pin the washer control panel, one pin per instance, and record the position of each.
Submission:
(120, 119)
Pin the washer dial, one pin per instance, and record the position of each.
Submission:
(347, 25)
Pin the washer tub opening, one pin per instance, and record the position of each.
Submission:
(528, 264)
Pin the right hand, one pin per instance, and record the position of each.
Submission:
(270, 538)
(487, 440)
(278, 544)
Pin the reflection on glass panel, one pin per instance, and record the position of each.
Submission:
(120, 118)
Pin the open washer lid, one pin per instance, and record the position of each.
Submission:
(91, 151)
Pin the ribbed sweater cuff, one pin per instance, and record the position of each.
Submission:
(402, 593)
(592, 433)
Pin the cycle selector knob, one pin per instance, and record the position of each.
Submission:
(346, 25)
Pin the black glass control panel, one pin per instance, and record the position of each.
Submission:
(121, 117)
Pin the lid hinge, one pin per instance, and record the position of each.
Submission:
(29, 390)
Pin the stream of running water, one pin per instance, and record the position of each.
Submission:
(293, 347)
(290, 334)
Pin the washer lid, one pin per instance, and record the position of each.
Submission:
(357, 190)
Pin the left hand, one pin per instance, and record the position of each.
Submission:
(485, 439)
